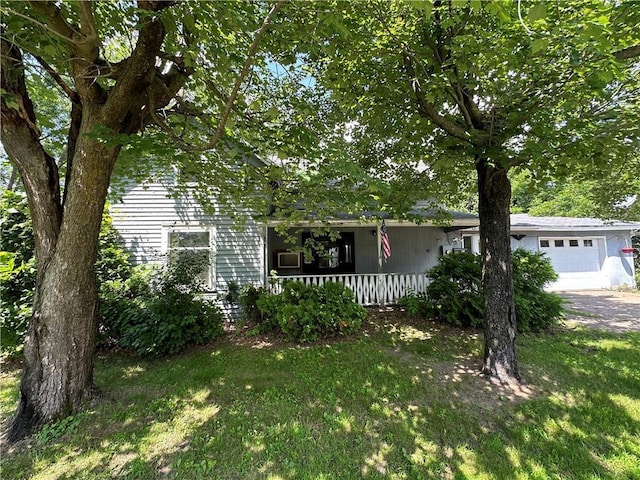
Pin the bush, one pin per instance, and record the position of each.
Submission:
(17, 269)
(157, 311)
(306, 313)
(416, 304)
(535, 308)
(246, 297)
(455, 292)
(248, 301)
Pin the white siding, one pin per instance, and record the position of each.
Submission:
(145, 212)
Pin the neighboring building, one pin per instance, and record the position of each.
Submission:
(586, 253)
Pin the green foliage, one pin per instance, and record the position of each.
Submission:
(248, 301)
(158, 312)
(455, 292)
(53, 430)
(306, 313)
(113, 260)
(456, 289)
(416, 304)
(17, 269)
(535, 308)
(247, 297)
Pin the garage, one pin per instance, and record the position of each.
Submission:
(586, 253)
(578, 261)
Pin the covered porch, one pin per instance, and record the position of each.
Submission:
(350, 252)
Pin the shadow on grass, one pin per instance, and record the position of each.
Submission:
(403, 401)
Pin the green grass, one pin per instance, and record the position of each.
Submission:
(400, 402)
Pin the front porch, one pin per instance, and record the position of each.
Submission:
(350, 253)
(368, 288)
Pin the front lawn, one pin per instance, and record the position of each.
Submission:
(401, 401)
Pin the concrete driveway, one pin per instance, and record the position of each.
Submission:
(604, 309)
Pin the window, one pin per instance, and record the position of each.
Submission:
(192, 246)
(588, 243)
(466, 243)
(544, 243)
(573, 243)
(558, 243)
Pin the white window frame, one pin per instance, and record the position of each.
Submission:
(210, 284)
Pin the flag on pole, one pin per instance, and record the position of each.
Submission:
(384, 237)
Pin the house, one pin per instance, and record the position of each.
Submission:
(586, 253)
(157, 227)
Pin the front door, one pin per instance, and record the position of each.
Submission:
(329, 255)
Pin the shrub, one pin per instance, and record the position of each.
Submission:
(456, 297)
(416, 304)
(17, 269)
(157, 311)
(248, 301)
(246, 297)
(306, 313)
(455, 290)
(535, 308)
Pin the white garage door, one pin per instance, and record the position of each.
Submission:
(576, 261)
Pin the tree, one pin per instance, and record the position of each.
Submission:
(435, 92)
(580, 195)
(170, 70)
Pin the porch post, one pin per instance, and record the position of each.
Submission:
(379, 243)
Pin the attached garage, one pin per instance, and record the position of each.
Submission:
(577, 261)
(586, 253)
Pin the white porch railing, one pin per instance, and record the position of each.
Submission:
(368, 288)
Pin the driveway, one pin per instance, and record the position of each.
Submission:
(604, 309)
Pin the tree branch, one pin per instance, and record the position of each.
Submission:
(427, 109)
(138, 71)
(55, 21)
(245, 70)
(629, 52)
(21, 140)
(87, 20)
(69, 92)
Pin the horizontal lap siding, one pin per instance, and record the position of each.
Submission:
(143, 213)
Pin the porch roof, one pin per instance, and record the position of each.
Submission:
(417, 216)
(523, 222)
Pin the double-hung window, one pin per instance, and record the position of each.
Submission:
(193, 246)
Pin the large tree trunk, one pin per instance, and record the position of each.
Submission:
(59, 347)
(494, 194)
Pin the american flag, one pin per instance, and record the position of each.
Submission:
(384, 238)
